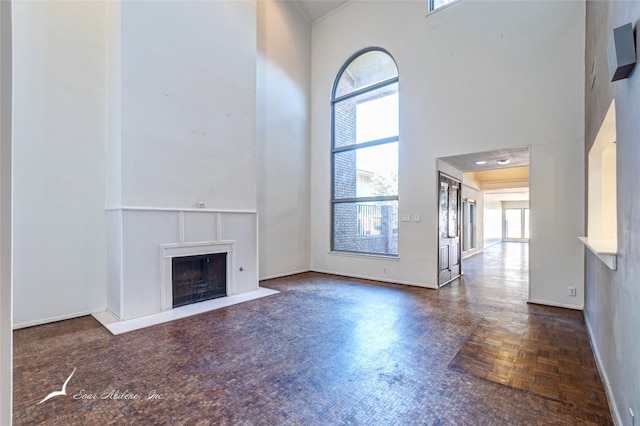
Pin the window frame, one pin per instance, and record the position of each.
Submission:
(431, 6)
(356, 146)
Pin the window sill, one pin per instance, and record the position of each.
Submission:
(392, 257)
(605, 250)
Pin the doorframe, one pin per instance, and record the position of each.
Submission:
(459, 181)
(474, 225)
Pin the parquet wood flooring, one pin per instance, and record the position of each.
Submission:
(538, 354)
(327, 350)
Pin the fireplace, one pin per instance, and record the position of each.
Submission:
(198, 278)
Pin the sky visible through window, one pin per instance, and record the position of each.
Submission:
(378, 119)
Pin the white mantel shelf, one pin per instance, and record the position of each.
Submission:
(605, 250)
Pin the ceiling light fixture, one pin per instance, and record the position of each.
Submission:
(503, 162)
(481, 162)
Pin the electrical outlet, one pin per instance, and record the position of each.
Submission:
(201, 204)
(572, 291)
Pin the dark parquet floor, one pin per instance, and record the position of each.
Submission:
(327, 350)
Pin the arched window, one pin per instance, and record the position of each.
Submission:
(364, 203)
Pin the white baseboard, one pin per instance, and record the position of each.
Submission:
(469, 254)
(557, 305)
(615, 413)
(58, 318)
(370, 278)
(285, 274)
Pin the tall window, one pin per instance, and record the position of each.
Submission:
(365, 155)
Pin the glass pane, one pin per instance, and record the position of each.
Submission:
(466, 226)
(366, 172)
(366, 227)
(368, 117)
(453, 211)
(513, 219)
(367, 69)
(444, 209)
(474, 231)
(526, 223)
(439, 3)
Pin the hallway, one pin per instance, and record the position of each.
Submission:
(498, 276)
(537, 349)
(329, 350)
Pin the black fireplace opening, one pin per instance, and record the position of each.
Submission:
(199, 278)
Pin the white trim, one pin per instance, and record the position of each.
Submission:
(613, 407)
(603, 250)
(119, 327)
(504, 184)
(106, 317)
(120, 312)
(330, 13)
(304, 15)
(181, 227)
(470, 253)
(55, 319)
(177, 209)
(390, 257)
(371, 278)
(169, 251)
(556, 304)
(285, 274)
(219, 226)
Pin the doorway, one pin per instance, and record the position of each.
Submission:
(494, 205)
(449, 249)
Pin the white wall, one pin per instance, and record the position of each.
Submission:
(556, 257)
(466, 85)
(181, 131)
(6, 317)
(188, 111)
(283, 126)
(59, 166)
(613, 297)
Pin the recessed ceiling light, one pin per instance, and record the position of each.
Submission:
(503, 162)
(481, 162)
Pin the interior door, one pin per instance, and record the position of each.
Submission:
(449, 252)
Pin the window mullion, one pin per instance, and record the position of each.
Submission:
(364, 90)
(366, 144)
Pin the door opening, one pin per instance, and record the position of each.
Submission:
(449, 249)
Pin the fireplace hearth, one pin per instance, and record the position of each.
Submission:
(198, 278)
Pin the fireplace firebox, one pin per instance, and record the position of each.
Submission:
(198, 278)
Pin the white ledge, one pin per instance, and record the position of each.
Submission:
(605, 250)
(176, 209)
(392, 257)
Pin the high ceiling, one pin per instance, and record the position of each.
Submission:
(313, 10)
